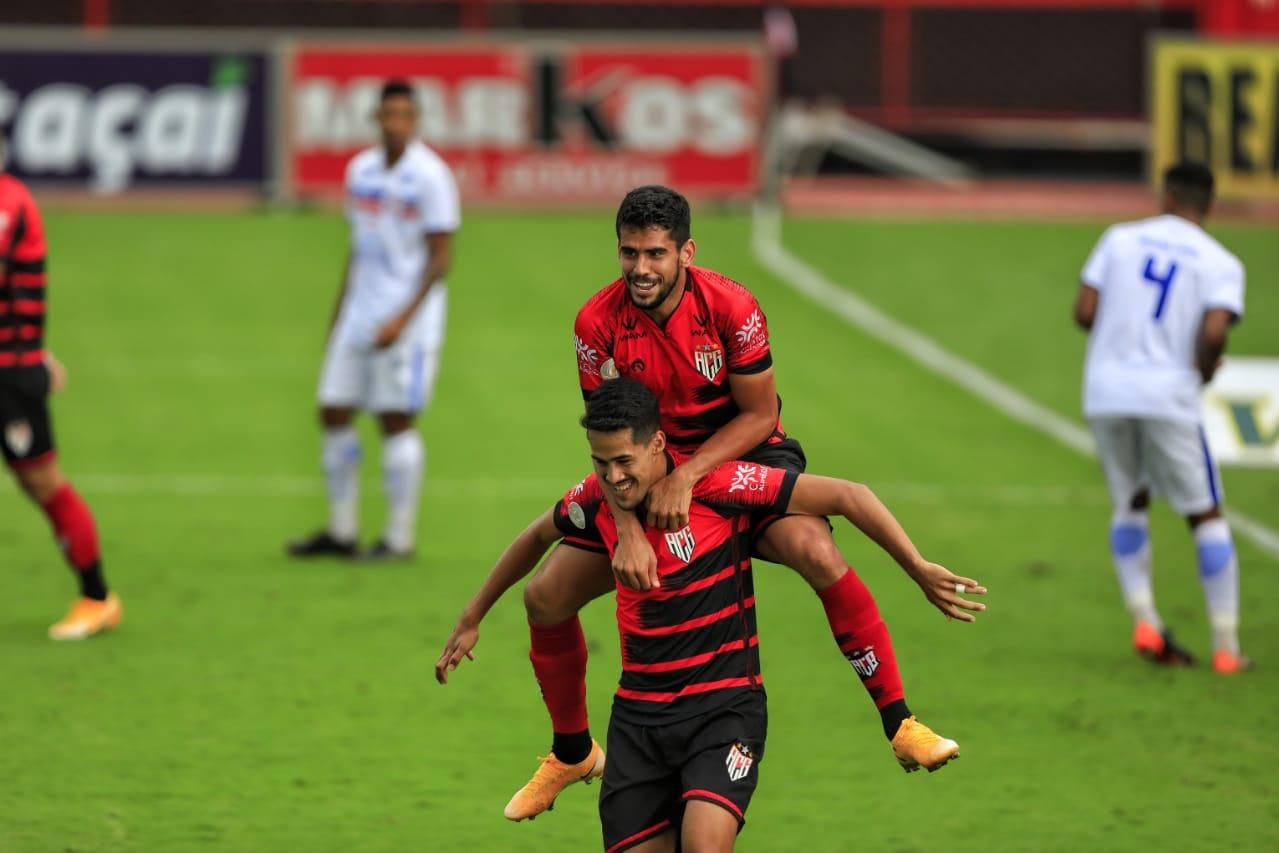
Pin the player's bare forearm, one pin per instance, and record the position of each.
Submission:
(337, 306)
(756, 399)
(1211, 344)
(519, 558)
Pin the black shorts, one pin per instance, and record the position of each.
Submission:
(652, 771)
(25, 432)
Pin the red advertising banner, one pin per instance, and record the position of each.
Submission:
(537, 122)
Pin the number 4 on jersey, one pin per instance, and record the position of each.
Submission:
(1163, 281)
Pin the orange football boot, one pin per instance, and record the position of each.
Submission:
(1227, 662)
(552, 777)
(916, 746)
(87, 617)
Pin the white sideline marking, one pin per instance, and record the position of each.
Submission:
(766, 231)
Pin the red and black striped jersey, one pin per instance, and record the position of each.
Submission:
(692, 645)
(22, 291)
(717, 329)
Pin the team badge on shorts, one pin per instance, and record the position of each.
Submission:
(739, 761)
(18, 435)
(709, 360)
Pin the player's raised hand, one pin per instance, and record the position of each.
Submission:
(635, 564)
(668, 502)
(946, 591)
(459, 644)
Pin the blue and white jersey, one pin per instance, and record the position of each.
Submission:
(1156, 278)
(390, 212)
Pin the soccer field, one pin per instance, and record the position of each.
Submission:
(253, 703)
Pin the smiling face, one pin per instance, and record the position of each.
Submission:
(627, 467)
(653, 267)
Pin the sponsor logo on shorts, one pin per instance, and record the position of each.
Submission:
(864, 661)
(18, 435)
(739, 761)
(682, 543)
(709, 360)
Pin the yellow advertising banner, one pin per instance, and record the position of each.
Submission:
(1217, 103)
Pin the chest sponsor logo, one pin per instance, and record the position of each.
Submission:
(864, 661)
(681, 543)
(587, 357)
(709, 360)
(752, 335)
(748, 478)
(739, 761)
(18, 435)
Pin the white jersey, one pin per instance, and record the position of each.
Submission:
(1156, 278)
(390, 212)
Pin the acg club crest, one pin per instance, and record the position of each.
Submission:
(739, 761)
(18, 435)
(681, 543)
(709, 360)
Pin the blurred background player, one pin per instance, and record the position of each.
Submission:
(28, 374)
(1158, 297)
(388, 326)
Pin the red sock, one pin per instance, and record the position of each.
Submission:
(558, 654)
(863, 638)
(74, 528)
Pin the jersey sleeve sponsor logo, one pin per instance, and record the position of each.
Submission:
(608, 370)
(681, 543)
(752, 335)
(709, 360)
(739, 761)
(748, 478)
(587, 357)
(576, 514)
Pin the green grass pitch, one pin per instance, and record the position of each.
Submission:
(252, 703)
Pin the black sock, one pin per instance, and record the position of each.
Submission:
(892, 716)
(92, 584)
(572, 747)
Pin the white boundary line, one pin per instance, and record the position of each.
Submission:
(766, 242)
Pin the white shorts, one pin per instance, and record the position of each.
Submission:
(1170, 457)
(400, 378)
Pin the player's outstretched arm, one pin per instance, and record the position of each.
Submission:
(519, 558)
(814, 495)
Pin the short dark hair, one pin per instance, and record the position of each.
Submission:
(1190, 184)
(655, 206)
(397, 87)
(623, 403)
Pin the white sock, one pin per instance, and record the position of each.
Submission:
(1131, 551)
(403, 463)
(342, 475)
(1219, 574)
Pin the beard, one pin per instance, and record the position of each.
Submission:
(658, 296)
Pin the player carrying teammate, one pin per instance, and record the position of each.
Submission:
(388, 327)
(1158, 297)
(28, 374)
(689, 717)
(699, 341)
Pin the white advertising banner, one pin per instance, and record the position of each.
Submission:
(1241, 412)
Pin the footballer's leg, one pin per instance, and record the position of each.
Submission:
(341, 458)
(1185, 472)
(403, 465)
(343, 387)
(1120, 450)
(570, 578)
(27, 440)
(805, 544)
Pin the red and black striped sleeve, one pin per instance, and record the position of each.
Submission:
(575, 515)
(746, 487)
(744, 330)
